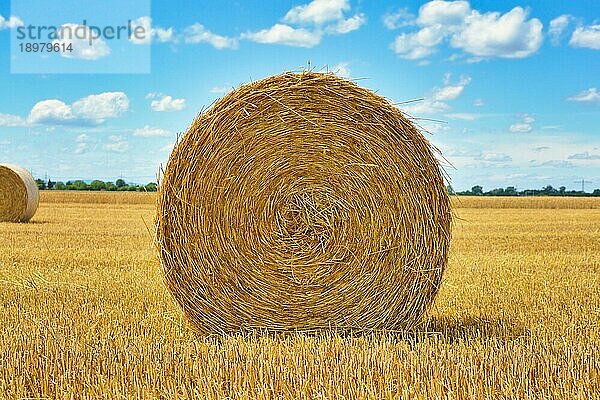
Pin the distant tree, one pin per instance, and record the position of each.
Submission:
(562, 190)
(50, 185)
(449, 188)
(151, 187)
(477, 190)
(496, 192)
(596, 192)
(97, 185)
(60, 186)
(40, 184)
(120, 183)
(549, 190)
(511, 191)
(111, 187)
(77, 185)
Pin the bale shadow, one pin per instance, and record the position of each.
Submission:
(471, 327)
(451, 330)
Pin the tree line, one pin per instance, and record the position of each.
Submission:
(549, 190)
(96, 185)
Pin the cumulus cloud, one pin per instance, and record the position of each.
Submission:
(347, 25)
(524, 125)
(148, 131)
(117, 144)
(317, 12)
(167, 103)
(435, 103)
(84, 44)
(99, 107)
(478, 103)
(558, 26)
(342, 69)
(197, 33)
(587, 96)
(398, 19)
(219, 89)
(10, 23)
(451, 91)
(285, 34)
(305, 25)
(586, 36)
(12, 120)
(90, 110)
(586, 155)
(483, 35)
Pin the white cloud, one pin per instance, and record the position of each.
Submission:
(141, 29)
(94, 109)
(81, 143)
(83, 42)
(586, 155)
(495, 35)
(82, 138)
(451, 92)
(524, 125)
(117, 144)
(348, 25)
(587, 96)
(426, 106)
(483, 35)
(342, 69)
(463, 116)
(148, 131)
(12, 120)
(305, 25)
(478, 103)
(285, 34)
(317, 12)
(435, 103)
(50, 112)
(421, 44)
(99, 107)
(167, 103)
(164, 35)
(445, 13)
(219, 89)
(586, 36)
(197, 33)
(398, 19)
(11, 22)
(557, 27)
(495, 157)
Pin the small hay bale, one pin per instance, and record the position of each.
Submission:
(19, 195)
(303, 202)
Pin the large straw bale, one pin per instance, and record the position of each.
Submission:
(19, 195)
(303, 202)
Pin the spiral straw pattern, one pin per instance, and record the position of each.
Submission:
(303, 202)
(19, 195)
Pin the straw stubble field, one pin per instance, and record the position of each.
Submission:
(85, 314)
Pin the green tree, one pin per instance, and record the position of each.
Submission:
(60, 186)
(40, 184)
(120, 183)
(97, 185)
(510, 191)
(477, 190)
(151, 187)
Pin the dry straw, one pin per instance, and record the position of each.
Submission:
(19, 196)
(303, 202)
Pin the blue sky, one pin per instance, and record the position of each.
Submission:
(511, 89)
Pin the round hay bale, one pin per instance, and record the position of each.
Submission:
(19, 195)
(303, 202)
